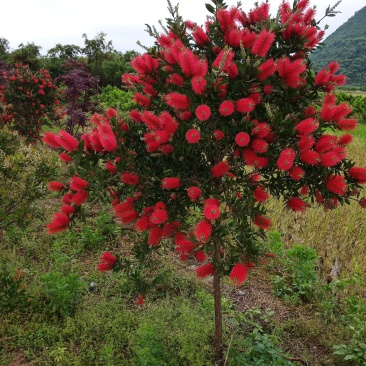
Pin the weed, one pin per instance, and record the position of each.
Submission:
(61, 293)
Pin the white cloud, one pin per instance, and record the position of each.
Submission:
(47, 22)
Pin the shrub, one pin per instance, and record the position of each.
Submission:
(113, 97)
(30, 100)
(24, 175)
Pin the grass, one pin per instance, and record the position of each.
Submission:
(61, 321)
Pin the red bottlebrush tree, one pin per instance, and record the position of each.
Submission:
(30, 100)
(239, 126)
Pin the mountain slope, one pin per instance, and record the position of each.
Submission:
(347, 45)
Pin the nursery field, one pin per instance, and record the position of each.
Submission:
(57, 309)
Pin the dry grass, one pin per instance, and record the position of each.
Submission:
(339, 235)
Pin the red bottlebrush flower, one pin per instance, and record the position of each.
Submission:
(67, 141)
(199, 85)
(170, 183)
(194, 193)
(266, 69)
(220, 169)
(259, 146)
(263, 43)
(130, 178)
(218, 135)
(358, 173)
(177, 100)
(203, 231)
(262, 222)
(211, 201)
(79, 197)
(203, 112)
(104, 267)
(158, 217)
(211, 212)
(326, 143)
(66, 199)
(59, 223)
(347, 124)
(111, 167)
(362, 202)
(135, 116)
(296, 204)
(55, 186)
(51, 139)
(239, 273)
(345, 139)
(245, 105)
(296, 173)
(307, 126)
(108, 141)
(193, 136)
(270, 255)
(142, 224)
(261, 130)
(68, 210)
(242, 139)
(310, 157)
(140, 300)
(78, 184)
(260, 194)
(167, 149)
(142, 100)
(175, 79)
(227, 108)
(304, 190)
(306, 142)
(64, 157)
(108, 258)
(330, 158)
(155, 236)
(336, 184)
(200, 36)
(205, 270)
(111, 113)
(286, 159)
(201, 256)
(268, 89)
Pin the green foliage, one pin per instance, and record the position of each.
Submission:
(12, 289)
(61, 293)
(25, 171)
(111, 96)
(258, 346)
(355, 349)
(358, 104)
(346, 45)
(297, 277)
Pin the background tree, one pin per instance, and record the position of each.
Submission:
(28, 54)
(4, 49)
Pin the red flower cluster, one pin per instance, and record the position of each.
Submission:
(108, 262)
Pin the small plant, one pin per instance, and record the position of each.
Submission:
(259, 347)
(355, 350)
(61, 293)
(113, 97)
(12, 289)
(297, 277)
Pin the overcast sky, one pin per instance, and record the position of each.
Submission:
(47, 22)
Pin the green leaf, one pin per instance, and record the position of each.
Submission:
(210, 8)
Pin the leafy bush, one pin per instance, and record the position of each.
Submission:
(25, 171)
(30, 101)
(358, 103)
(61, 293)
(113, 97)
(297, 278)
(12, 289)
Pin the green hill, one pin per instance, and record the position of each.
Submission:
(347, 45)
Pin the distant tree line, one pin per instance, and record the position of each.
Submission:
(98, 55)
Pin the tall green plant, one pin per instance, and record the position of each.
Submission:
(226, 117)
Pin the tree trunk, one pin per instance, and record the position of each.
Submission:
(218, 311)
